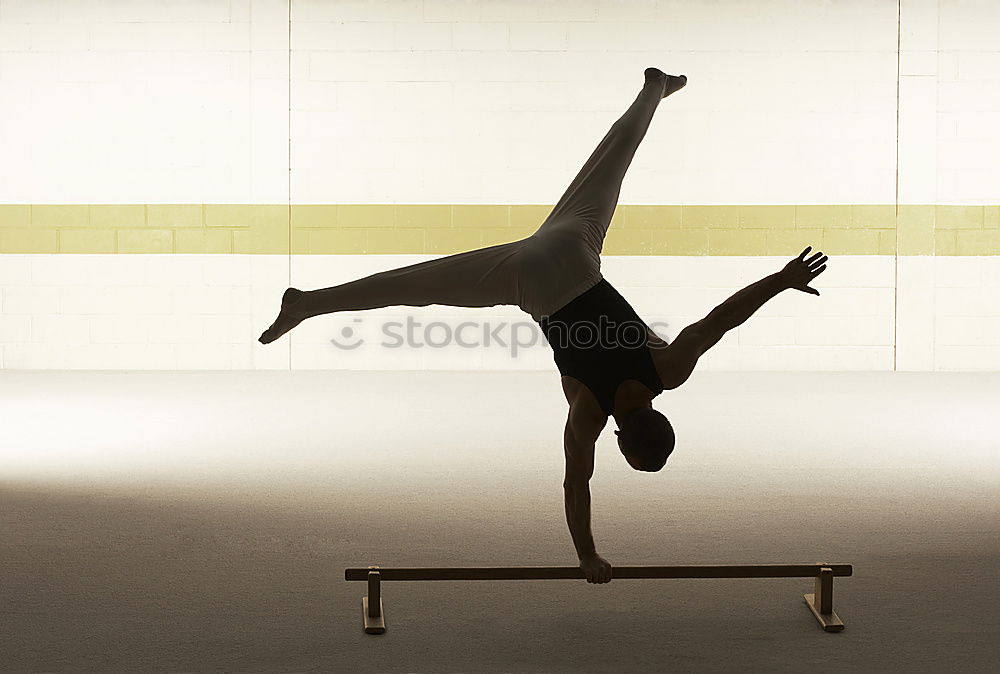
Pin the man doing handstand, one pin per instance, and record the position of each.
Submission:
(611, 364)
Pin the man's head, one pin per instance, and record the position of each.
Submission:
(646, 439)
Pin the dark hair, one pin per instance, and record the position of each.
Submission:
(647, 438)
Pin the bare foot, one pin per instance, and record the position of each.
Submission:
(287, 317)
(671, 83)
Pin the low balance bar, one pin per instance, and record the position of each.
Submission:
(820, 602)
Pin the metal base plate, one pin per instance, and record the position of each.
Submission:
(830, 622)
(373, 625)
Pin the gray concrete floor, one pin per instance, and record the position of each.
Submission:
(202, 522)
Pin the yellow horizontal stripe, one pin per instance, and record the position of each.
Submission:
(312, 229)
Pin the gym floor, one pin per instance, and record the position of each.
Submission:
(203, 521)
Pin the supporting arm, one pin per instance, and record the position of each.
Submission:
(578, 518)
(579, 452)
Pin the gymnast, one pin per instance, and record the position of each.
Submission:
(611, 364)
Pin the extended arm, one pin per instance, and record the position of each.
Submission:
(745, 303)
(701, 336)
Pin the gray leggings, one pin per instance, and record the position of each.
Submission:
(541, 273)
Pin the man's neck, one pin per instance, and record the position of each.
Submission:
(631, 396)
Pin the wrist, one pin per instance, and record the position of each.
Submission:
(780, 281)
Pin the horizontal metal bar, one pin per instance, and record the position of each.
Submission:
(560, 572)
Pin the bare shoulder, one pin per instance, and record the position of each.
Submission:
(585, 414)
(675, 361)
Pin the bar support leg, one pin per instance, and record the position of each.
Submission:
(371, 605)
(821, 602)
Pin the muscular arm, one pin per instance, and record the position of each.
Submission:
(745, 303)
(576, 491)
(698, 337)
(582, 430)
(678, 360)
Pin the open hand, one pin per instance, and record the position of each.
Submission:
(597, 568)
(800, 272)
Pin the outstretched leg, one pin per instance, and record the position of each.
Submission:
(478, 278)
(590, 200)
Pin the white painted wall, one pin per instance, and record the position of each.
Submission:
(441, 102)
(414, 101)
(204, 312)
(501, 102)
(146, 101)
(949, 100)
